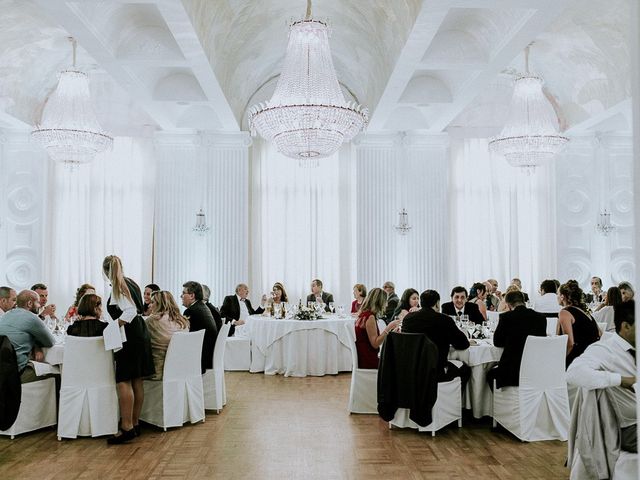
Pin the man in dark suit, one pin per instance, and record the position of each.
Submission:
(392, 301)
(459, 306)
(200, 318)
(442, 331)
(518, 283)
(513, 329)
(217, 318)
(317, 295)
(236, 308)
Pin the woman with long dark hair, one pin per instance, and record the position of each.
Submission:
(604, 313)
(575, 321)
(409, 302)
(134, 361)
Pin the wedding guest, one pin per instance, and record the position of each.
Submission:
(409, 302)
(574, 321)
(493, 295)
(87, 318)
(45, 310)
(518, 283)
(392, 300)
(148, 290)
(164, 321)
(359, 293)
(459, 306)
(215, 313)
(547, 303)
(72, 311)
(237, 308)
(134, 361)
(278, 294)
(368, 336)
(596, 295)
(200, 318)
(479, 297)
(7, 299)
(502, 306)
(626, 290)
(612, 299)
(318, 296)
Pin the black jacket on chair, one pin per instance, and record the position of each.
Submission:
(10, 387)
(470, 309)
(200, 318)
(230, 310)
(216, 315)
(407, 377)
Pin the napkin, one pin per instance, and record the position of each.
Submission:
(114, 336)
(43, 368)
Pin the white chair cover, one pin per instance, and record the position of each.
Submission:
(88, 399)
(602, 326)
(447, 409)
(626, 467)
(552, 325)
(539, 408)
(363, 395)
(215, 393)
(237, 356)
(179, 397)
(37, 408)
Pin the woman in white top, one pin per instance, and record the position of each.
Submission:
(605, 314)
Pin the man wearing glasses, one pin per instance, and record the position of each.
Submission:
(200, 318)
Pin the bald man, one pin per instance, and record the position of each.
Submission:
(26, 331)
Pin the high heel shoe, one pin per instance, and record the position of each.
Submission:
(125, 436)
(136, 428)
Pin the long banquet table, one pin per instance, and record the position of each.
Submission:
(297, 348)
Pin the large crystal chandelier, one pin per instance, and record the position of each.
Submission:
(68, 129)
(530, 137)
(307, 116)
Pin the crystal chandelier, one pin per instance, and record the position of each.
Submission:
(201, 228)
(604, 226)
(529, 138)
(403, 226)
(68, 129)
(307, 116)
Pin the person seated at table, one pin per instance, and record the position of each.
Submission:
(72, 311)
(7, 299)
(392, 300)
(493, 295)
(518, 283)
(359, 293)
(604, 313)
(200, 318)
(479, 297)
(502, 306)
(368, 336)
(164, 321)
(409, 302)
(441, 330)
(547, 302)
(46, 309)
(215, 313)
(511, 334)
(459, 306)
(574, 321)
(87, 322)
(26, 332)
(146, 295)
(278, 295)
(237, 308)
(626, 290)
(318, 296)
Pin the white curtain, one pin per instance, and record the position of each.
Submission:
(503, 221)
(102, 208)
(300, 227)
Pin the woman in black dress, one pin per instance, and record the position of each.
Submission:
(134, 362)
(88, 323)
(574, 321)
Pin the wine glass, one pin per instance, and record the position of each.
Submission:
(332, 307)
(341, 311)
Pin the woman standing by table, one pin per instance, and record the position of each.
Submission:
(134, 361)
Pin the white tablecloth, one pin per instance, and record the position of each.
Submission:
(297, 348)
(478, 396)
(55, 354)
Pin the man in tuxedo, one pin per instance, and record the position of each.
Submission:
(200, 318)
(442, 331)
(317, 295)
(217, 318)
(518, 283)
(513, 329)
(459, 306)
(392, 300)
(596, 295)
(237, 308)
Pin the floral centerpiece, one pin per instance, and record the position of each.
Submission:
(480, 332)
(306, 313)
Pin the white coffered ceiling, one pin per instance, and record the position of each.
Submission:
(424, 65)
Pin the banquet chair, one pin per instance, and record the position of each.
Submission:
(364, 382)
(215, 392)
(178, 397)
(37, 408)
(626, 467)
(538, 409)
(88, 399)
(237, 356)
(552, 326)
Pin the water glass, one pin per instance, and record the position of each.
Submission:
(341, 311)
(332, 307)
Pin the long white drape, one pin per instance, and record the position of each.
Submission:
(102, 208)
(503, 221)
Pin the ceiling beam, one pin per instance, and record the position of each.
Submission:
(623, 107)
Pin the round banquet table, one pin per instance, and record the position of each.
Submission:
(297, 348)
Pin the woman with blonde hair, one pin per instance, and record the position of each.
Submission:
(134, 361)
(165, 320)
(368, 337)
(359, 293)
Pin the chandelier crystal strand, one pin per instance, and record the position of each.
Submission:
(604, 226)
(68, 129)
(307, 116)
(529, 137)
(403, 226)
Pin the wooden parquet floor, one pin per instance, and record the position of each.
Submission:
(281, 428)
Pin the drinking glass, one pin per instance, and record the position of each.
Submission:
(341, 311)
(332, 307)
(277, 309)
